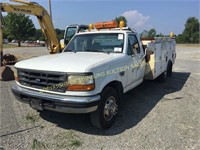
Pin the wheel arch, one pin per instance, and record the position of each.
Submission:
(117, 86)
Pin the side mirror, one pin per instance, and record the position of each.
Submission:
(149, 50)
(148, 53)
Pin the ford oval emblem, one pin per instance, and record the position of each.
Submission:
(37, 80)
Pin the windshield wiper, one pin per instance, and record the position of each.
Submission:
(70, 50)
(94, 50)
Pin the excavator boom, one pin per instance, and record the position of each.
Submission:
(44, 19)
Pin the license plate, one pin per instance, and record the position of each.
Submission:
(36, 104)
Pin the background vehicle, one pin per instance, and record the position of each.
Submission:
(5, 41)
(93, 72)
(70, 31)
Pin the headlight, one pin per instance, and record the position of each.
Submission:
(83, 82)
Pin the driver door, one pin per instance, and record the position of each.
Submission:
(137, 67)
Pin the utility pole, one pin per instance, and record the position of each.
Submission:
(1, 38)
(50, 8)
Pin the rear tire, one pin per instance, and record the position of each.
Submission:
(169, 69)
(167, 73)
(105, 115)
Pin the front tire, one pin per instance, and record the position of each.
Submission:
(105, 115)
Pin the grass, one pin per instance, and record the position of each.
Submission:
(73, 139)
(37, 145)
(42, 126)
(31, 117)
(9, 46)
(64, 140)
(68, 140)
(75, 143)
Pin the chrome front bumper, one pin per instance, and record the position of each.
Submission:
(60, 103)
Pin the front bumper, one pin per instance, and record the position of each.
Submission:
(60, 103)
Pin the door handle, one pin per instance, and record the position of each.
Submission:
(122, 73)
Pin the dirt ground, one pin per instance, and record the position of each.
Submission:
(152, 116)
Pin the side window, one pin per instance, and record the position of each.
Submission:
(135, 47)
(130, 51)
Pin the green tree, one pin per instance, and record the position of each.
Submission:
(191, 31)
(179, 39)
(60, 33)
(159, 35)
(5, 34)
(144, 34)
(39, 35)
(152, 32)
(18, 26)
(121, 18)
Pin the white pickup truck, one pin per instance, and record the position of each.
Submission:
(93, 72)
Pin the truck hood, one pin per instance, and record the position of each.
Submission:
(65, 62)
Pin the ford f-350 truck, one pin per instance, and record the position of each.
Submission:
(93, 72)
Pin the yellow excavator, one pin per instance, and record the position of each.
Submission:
(44, 19)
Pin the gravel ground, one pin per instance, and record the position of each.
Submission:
(153, 115)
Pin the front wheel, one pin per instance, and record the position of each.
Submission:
(105, 115)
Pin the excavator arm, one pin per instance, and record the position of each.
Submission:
(43, 17)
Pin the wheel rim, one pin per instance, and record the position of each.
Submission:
(110, 108)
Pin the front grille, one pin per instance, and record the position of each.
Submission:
(52, 81)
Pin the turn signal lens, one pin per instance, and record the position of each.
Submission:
(16, 79)
(89, 87)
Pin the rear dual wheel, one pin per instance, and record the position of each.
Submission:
(169, 69)
(167, 73)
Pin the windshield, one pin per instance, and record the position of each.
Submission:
(106, 42)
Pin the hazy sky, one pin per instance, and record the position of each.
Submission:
(163, 15)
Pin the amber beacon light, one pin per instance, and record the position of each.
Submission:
(106, 25)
